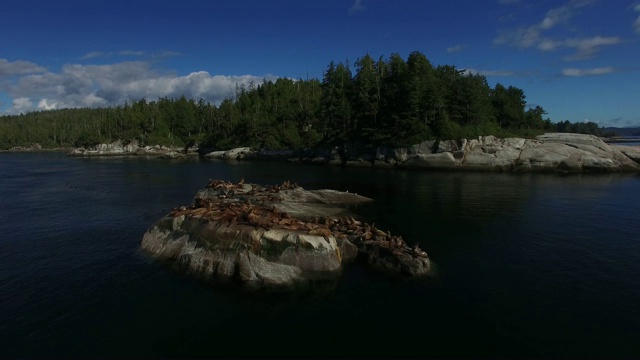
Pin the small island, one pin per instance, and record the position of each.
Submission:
(276, 237)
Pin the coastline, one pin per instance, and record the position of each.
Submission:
(551, 152)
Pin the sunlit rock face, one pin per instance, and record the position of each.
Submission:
(552, 152)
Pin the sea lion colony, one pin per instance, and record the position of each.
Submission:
(254, 205)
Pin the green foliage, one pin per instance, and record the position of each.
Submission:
(580, 128)
(509, 104)
(392, 102)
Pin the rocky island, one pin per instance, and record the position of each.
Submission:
(275, 237)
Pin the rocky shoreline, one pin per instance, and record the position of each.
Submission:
(551, 152)
(118, 148)
(275, 237)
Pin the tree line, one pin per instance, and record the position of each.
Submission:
(393, 102)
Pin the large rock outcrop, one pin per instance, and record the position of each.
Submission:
(279, 236)
(551, 152)
(242, 153)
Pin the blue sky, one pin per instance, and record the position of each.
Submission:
(578, 59)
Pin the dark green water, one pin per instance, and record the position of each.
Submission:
(528, 265)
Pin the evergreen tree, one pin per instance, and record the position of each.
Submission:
(389, 102)
(336, 108)
(508, 104)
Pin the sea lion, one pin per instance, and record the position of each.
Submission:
(199, 211)
(320, 231)
(419, 252)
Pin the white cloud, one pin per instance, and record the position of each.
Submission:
(528, 36)
(21, 105)
(560, 14)
(43, 104)
(78, 85)
(549, 45)
(534, 35)
(585, 72)
(94, 54)
(523, 37)
(356, 7)
(457, 48)
(20, 67)
(585, 47)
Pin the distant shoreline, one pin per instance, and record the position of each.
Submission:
(622, 139)
(37, 148)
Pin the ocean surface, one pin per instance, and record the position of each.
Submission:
(527, 265)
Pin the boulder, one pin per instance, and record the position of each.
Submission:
(240, 154)
(401, 155)
(515, 143)
(450, 145)
(401, 262)
(215, 154)
(508, 154)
